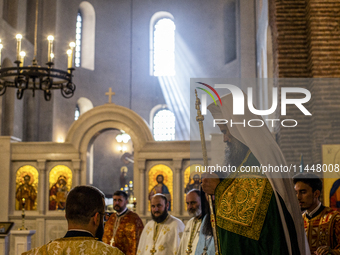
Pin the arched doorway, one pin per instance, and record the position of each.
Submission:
(114, 119)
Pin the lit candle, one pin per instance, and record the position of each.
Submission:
(19, 37)
(72, 45)
(50, 39)
(52, 56)
(1, 46)
(69, 59)
(22, 58)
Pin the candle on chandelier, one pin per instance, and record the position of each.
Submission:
(69, 58)
(72, 45)
(22, 58)
(50, 39)
(1, 46)
(18, 37)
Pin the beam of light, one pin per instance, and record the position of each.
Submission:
(176, 89)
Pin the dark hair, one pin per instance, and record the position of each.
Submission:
(196, 191)
(82, 203)
(310, 179)
(162, 196)
(160, 175)
(121, 193)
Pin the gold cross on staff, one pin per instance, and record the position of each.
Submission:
(110, 94)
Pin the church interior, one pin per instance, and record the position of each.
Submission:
(129, 119)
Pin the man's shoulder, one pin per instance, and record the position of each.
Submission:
(58, 247)
(34, 251)
(174, 220)
(109, 248)
(189, 223)
(190, 220)
(133, 215)
(149, 223)
(330, 212)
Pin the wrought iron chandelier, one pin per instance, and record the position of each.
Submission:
(35, 77)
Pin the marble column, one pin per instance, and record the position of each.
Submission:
(178, 187)
(141, 198)
(5, 167)
(76, 169)
(41, 165)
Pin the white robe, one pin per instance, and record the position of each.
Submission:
(168, 238)
(186, 237)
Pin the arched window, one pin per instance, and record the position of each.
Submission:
(164, 125)
(86, 26)
(79, 26)
(162, 44)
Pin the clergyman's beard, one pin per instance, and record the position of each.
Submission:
(118, 208)
(195, 213)
(100, 231)
(161, 217)
(235, 152)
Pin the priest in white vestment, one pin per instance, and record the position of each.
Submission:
(192, 229)
(161, 235)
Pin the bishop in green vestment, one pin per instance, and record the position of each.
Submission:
(256, 212)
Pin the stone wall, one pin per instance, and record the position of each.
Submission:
(306, 45)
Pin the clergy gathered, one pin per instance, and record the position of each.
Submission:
(249, 213)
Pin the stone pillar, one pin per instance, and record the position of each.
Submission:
(5, 169)
(22, 240)
(141, 197)
(4, 244)
(178, 187)
(40, 238)
(41, 165)
(83, 176)
(76, 169)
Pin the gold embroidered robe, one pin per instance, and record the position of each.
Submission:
(323, 230)
(168, 240)
(128, 232)
(75, 245)
(247, 216)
